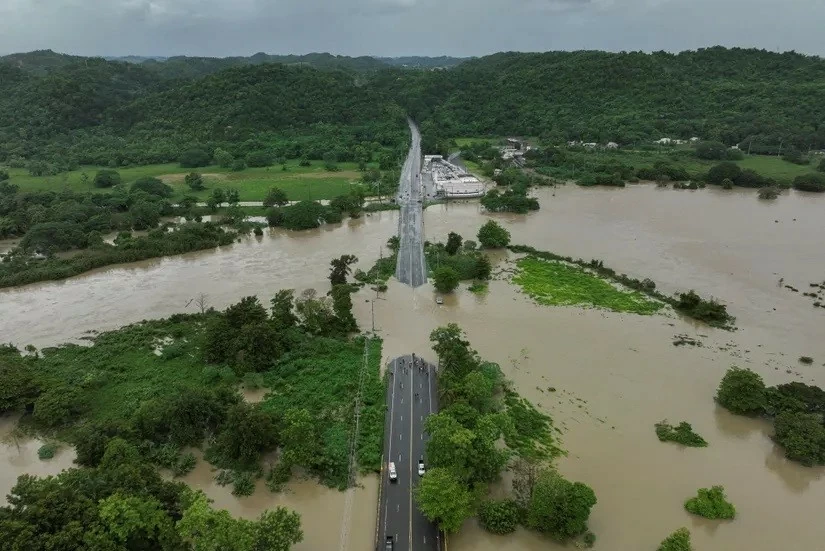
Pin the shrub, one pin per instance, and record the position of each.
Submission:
(802, 435)
(259, 159)
(195, 157)
(727, 183)
(810, 182)
(223, 158)
(47, 451)
(711, 503)
(589, 539)
(709, 311)
(275, 197)
(768, 193)
(493, 236)
(184, 464)
(724, 170)
(807, 360)
(499, 517)
(238, 165)
(682, 434)
(243, 484)
(677, 541)
(194, 181)
(152, 186)
(106, 178)
(714, 151)
(742, 391)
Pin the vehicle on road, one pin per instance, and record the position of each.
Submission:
(393, 472)
(421, 469)
(439, 300)
(389, 544)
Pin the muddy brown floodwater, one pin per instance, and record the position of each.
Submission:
(615, 375)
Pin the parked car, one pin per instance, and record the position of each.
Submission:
(420, 467)
(393, 472)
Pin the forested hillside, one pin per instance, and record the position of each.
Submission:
(731, 95)
(108, 112)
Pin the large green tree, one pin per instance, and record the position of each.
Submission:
(742, 391)
(493, 236)
(445, 279)
(443, 498)
(559, 507)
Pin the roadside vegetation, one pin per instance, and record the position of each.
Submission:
(681, 434)
(690, 304)
(171, 384)
(796, 410)
(479, 409)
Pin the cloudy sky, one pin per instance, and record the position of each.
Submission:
(404, 27)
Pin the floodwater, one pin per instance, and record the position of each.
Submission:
(615, 375)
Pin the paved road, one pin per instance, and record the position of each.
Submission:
(411, 397)
(411, 268)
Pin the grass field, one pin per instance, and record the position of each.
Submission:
(557, 284)
(312, 182)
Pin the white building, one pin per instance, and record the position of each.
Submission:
(451, 181)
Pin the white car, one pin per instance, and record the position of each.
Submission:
(439, 300)
(393, 472)
(421, 467)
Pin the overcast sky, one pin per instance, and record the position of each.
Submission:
(405, 27)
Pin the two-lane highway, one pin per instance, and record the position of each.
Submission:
(411, 395)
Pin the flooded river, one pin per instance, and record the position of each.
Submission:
(615, 375)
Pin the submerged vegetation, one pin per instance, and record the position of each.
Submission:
(796, 408)
(681, 434)
(677, 541)
(711, 503)
(168, 384)
(690, 304)
(479, 410)
(554, 283)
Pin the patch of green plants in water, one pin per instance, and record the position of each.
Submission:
(681, 434)
(478, 287)
(711, 503)
(556, 284)
(530, 433)
(47, 451)
(689, 304)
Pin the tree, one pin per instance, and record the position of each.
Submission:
(331, 161)
(718, 173)
(559, 507)
(59, 405)
(144, 215)
(450, 445)
(342, 306)
(233, 196)
(340, 268)
(4, 175)
(453, 243)
(821, 166)
(499, 516)
(207, 529)
(259, 159)
(483, 267)
(444, 499)
(152, 186)
(18, 388)
(223, 158)
(247, 433)
(132, 519)
(493, 236)
(727, 183)
(194, 158)
(275, 217)
(802, 435)
(711, 503)
(742, 391)
(275, 197)
(194, 181)
(714, 151)
(303, 215)
(677, 541)
(277, 530)
(304, 161)
(218, 195)
(106, 178)
(282, 305)
(445, 279)
(238, 165)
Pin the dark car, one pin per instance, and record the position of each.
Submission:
(389, 545)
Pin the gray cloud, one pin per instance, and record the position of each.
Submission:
(404, 27)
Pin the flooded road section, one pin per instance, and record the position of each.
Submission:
(614, 375)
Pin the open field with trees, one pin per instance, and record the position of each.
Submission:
(313, 182)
